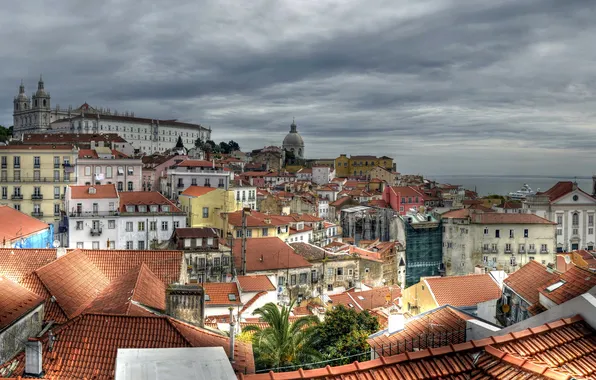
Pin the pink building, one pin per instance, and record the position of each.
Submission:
(403, 198)
(104, 166)
(155, 167)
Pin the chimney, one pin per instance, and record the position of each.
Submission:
(232, 334)
(186, 302)
(33, 358)
(396, 321)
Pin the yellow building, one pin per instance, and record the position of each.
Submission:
(360, 166)
(259, 225)
(33, 178)
(205, 206)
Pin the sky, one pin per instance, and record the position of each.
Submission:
(443, 86)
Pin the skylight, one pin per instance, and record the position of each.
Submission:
(207, 298)
(555, 286)
(350, 305)
(361, 298)
(232, 297)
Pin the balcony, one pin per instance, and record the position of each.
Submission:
(96, 231)
(485, 250)
(37, 214)
(16, 197)
(66, 164)
(37, 179)
(508, 250)
(91, 214)
(180, 185)
(56, 165)
(17, 166)
(36, 166)
(4, 166)
(36, 196)
(544, 251)
(522, 251)
(531, 250)
(494, 250)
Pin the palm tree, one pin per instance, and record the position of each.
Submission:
(283, 343)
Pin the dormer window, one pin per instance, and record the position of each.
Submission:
(130, 208)
(142, 208)
(92, 190)
(232, 297)
(153, 208)
(165, 208)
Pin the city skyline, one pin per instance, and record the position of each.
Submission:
(469, 89)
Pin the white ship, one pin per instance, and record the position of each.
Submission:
(522, 193)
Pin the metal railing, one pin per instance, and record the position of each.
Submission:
(36, 196)
(96, 231)
(40, 179)
(16, 196)
(37, 214)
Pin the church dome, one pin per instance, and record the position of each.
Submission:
(293, 139)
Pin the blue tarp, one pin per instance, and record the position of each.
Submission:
(42, 239)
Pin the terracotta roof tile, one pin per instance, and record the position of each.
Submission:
(462, 290)
(457, 214)
(145, 198)
(36, 147)
(166, 265)
(221, 294)
(15, 224)
(52, 311)
(577, 282)
(528, 279)
(558, 190)
(138, 285)
(502, 218)
(87, 346)
(255, 283)
(252, 301)
(189, 163)
(16, 264)
(368, 299)
(73, 280)
(268, 253)
(197, 191)
(197, 232)
(15, 302)
(256, 219)
(101, 191)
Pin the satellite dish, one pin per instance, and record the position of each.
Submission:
(56, 243)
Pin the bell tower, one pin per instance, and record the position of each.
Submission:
(21, 112)
(41, 106)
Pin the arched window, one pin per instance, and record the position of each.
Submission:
(17, 106)
(575, 219)
(44, 102)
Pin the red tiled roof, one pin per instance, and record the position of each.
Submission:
(528, 279)
(219, 293)
(139, 285)
(101, 191)
(558, 190)
(255, 283)
(92, 153)
(510, 205)
(197, 191)
(15, 224)
(52, 310)
(87, 346)
(407, 191)
(447, 323)
(36, 147)
(456, 214)
(197, 232)
(340, 202)
(255, 219)
(73, 280)
(577, 282)
(463, 290)
(559, 350)
(166, 265)
(266, 254)
(368, 299)
(145, 198)
(16, 264)
(188, 163)
(15, 302)
(364, 253)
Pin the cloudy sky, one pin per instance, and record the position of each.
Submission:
(445, 87)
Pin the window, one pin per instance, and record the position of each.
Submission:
(199, 242)
(293, 279)
(141, 226)
(486, 231)
(129, 185)
(526, 233)
(522, 248)
(97, 170)
(95, 208)
(559, 219)
(79, 244)
(111, 224)
(142, 208)
(17, 161)
(221, 183)
(152, 226)
(590, 220)
(340, 271)
(507, 247)
(575, 231)
(130, 170)
(56, 175)
(187, 243)
(153, 208)
(225, 260)
(511, 234)
(87, 170)
(129, 245)
(95, 245)
(532, 248)
(493, 248)
(176, 224)
(120, 170)
(4, 192)
(17, 207)
(575, 219)
(79, 225)
(591, 231)
(164, 226)
(265, 231)
(36, 175)
(129, 227)
(281, 281)
(559, 231)
(216, 262)
(141, 244)
(543, 248)
(302, 279)
(193, 181)
(485, 247)
(56, 192)
(4, 162)
(120, 186)
(108, 172)
(497, 233)
(57, 209)
(17, 175)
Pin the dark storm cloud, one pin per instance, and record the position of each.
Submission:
(444, 86)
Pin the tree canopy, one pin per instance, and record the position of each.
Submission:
(5, 133)
(179, 143)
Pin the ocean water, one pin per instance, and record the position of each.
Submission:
(503, 185)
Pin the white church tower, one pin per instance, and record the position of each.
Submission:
(31, 115)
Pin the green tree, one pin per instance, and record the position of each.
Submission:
(233, 146)
(5, 133)
(344, 333)
(283, 343)
(224, 147)
(179, 143)
(199, 143)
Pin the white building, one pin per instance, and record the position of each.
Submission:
(572, 209)
(98, 217)
(495, 241)
(304, 174)
(323, 208)
(194, 173)
(245, 194)
(300, 233)
(103, 165)
(322, 175)
(255, 292)
(91, 216)
(147, 135)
